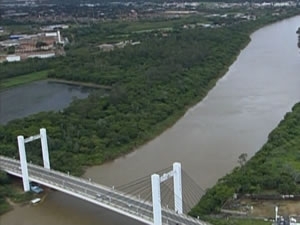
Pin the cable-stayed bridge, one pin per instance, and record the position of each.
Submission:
(152, 199)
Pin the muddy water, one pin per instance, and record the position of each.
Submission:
(236, 117)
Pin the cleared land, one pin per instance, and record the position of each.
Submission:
(266, 208)
(230, 221)
(15, 81)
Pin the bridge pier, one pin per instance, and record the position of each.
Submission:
(156, 198)
(23, 159)
(45, 151)
(177, 188)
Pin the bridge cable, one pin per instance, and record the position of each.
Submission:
(191, 180)
(135, 187)
(192, 184)
(166, 194)
(171, 201)
(146, 194)
(132, 183)
(191, 190)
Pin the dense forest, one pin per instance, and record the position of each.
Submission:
(153, 84)
(275, 168)
(4, 180)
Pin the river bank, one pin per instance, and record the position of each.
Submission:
(236, 116)
(83, 84)
(174, 149)
(43, 75)
(24, 79)
(272, 170)
(261, 172)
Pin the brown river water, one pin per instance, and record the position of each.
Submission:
(236, 117)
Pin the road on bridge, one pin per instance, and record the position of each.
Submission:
(97, 194)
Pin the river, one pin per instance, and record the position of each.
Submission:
(236, 117)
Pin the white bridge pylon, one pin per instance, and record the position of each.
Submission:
(156, 198)
(23, 159)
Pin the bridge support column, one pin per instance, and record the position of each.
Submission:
(156, 200)
(23, 161)
(45, 151)
(177, 187)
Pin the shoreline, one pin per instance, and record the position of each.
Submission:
(83, 84)
(169, 122)
(9, 83)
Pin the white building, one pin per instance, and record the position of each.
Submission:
(13, 58)
(294, 220)
(42, 56)
(51, 34)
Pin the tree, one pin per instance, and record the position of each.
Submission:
(11, 50)
(4, 179)
(242, 159)
(40, 44)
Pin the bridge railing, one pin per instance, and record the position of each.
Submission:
(85, 192)
(84, 189)
(48, 175)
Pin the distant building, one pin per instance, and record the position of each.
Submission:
(106, 47)
(16, 36)
(280, 220)
(9, 43)
(42, 56)
(54, 27)
(136, 43)
(13, 58)
(110, 47)
(294, 220)
(52, 34)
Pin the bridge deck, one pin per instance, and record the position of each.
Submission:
(95, 193)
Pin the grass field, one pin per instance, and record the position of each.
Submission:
(15, 81)
(239, 222)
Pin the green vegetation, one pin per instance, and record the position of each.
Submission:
(4, 181)
(11, 82)
(275, 168)
(10, 191)
(153, 84)
(11, 50)
(14, 69)
(231, 221)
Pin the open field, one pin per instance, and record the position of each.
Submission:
(266, 208)
(15, 81)
(231, 221)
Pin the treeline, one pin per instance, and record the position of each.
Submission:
(4, 182)
(14, 69)
(152, 85)
(7, 190)
(275, 167)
